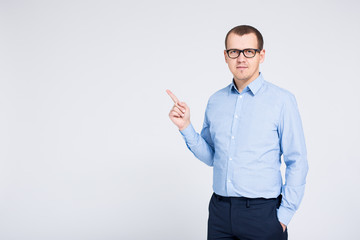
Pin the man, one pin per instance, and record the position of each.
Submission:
(248, 125)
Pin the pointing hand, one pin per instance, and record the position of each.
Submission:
(179, 113)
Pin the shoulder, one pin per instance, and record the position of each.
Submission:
(277, 90)
(282, 94)
(219, 94)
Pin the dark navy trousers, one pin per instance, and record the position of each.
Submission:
(244, 219)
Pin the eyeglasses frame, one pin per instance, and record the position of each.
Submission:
(242, 51)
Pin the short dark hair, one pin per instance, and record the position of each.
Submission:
(246, 29)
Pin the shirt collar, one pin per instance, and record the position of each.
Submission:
(254, 86)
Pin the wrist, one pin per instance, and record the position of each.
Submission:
(184, 127)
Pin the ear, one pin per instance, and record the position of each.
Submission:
(225, 55)
(262, 56)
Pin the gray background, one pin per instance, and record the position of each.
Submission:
(87, 150)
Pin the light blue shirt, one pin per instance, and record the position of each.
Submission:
(243, 137)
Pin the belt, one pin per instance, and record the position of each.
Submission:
(249, 201)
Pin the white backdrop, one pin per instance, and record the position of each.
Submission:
(87, 150)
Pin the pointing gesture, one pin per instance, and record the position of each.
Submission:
(179, 113)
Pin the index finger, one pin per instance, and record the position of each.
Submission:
(173, 97)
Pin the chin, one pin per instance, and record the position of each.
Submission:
(243, 78)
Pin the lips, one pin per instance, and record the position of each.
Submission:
(241, 67)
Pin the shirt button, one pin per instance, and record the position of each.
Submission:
(240, 96)
(236, 116)
(230, 159)
(229, 181)
(232, 137)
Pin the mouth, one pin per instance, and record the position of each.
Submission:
(241, 67)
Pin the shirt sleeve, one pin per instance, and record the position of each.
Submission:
(292, 146)
(201, 145)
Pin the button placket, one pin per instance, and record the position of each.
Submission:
(232, 147)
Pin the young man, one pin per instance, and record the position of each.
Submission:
(248, 125)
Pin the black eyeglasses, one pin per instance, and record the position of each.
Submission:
(248, 52)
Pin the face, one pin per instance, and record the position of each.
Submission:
(244, 69)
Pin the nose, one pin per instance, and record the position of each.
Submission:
(241, 57)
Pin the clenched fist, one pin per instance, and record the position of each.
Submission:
(179, 113)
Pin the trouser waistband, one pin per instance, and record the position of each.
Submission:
(249, 201)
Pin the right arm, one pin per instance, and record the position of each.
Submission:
(200, 145)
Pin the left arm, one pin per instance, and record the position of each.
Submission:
(292, 146)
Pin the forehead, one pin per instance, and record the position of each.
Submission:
(241, 42)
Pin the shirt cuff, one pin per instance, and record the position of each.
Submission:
(285, 215)
(189, 134)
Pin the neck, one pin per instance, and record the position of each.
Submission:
(242, 83)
